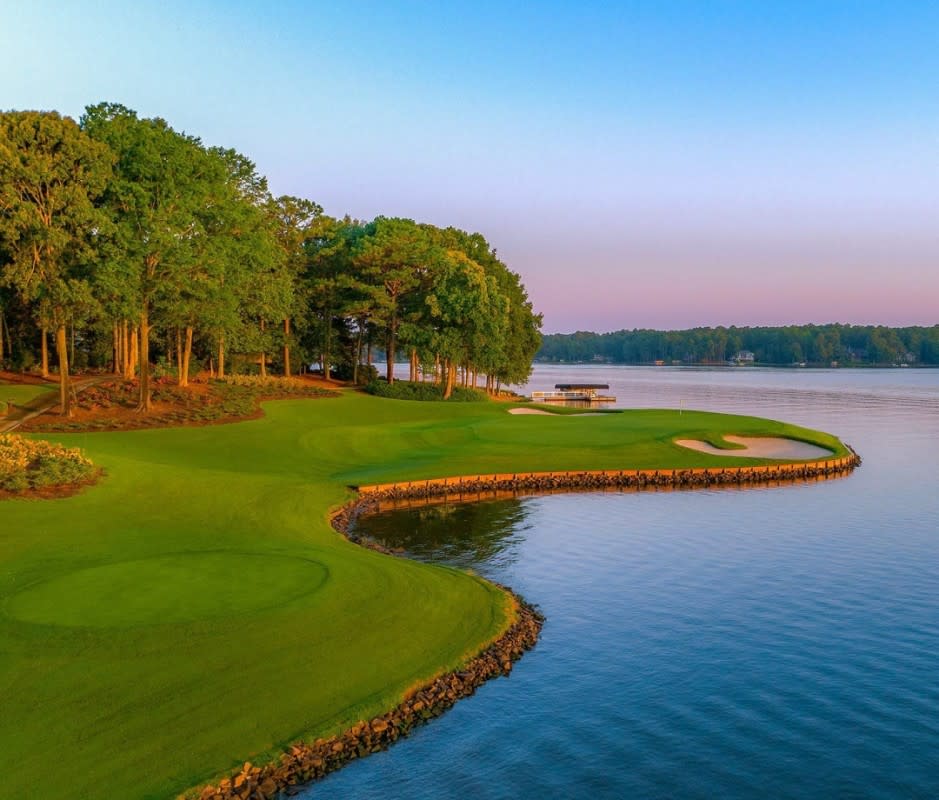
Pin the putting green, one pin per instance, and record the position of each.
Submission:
(169, 589)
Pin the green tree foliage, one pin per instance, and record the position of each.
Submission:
(50, 176)
(157, 247)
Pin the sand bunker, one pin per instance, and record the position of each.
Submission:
(760, 447)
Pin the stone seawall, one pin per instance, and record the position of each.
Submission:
(601, 479)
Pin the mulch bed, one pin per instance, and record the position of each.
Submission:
(112, 406)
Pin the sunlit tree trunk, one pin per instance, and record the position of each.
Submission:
(128, 348)
(115, 348)
(326, 357)
(390, 346)
(450, 368)
(187, 355)
(45, 353)
(180, 379)
(133, 353)
(145, 403)
(358, 356)
(263, 355)
(286, 348)
(61, 346)
(221, 356)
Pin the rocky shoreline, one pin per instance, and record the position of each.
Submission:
(305, 762)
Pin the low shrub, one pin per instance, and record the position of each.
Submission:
(32, 464)
(407, 390)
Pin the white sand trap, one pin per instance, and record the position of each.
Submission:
(760, 447)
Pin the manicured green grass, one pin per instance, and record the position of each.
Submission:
(195, 610)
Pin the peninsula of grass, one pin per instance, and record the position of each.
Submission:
(195, 609)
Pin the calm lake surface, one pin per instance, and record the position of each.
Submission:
(778, 642)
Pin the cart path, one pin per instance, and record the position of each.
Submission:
(44, 403)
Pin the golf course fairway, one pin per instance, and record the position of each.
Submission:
(195, 609)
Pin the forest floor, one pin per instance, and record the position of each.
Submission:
(194, 609)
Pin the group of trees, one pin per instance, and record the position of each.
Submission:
(795, 344)
(133, 244)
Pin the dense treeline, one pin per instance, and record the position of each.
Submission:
(135, 247)
(843, 345)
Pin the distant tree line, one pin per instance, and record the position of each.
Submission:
(817, 345)
(133, 246)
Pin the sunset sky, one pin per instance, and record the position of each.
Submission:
(643, 164)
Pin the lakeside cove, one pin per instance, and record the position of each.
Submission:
(253, 559)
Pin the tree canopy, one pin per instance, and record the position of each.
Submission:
(152, 251)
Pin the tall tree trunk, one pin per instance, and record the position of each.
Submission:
(61, 346)
(358, 356)
(45, 353)
(145, 404)
(286, 348)
(134, 350)
(180, 377)
(115, 348)
(390, 347)
(263, 354)
(221, 356)
(450, 367)
(187, 356)
(1, 337)
(326, 356)
(437, 375)
(126, 351)
(71, 351)
(133, 353)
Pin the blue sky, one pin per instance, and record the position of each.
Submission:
(661, 164)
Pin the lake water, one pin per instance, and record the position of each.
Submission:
(778, 642)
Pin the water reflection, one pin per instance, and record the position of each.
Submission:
(463, 535)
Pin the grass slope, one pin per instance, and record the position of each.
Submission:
(195, 609)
